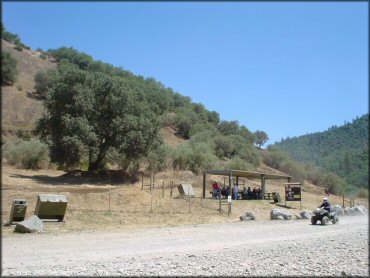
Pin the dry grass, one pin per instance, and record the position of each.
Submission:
(109, 207)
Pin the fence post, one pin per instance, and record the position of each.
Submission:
(162, 188)
(343, 200)
(189, 197)
(171, 189)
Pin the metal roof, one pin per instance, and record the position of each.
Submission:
(245, 174)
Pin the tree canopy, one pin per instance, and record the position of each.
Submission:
(95, 116)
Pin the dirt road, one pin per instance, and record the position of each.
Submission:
(263, 248)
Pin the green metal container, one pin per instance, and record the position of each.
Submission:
(51, 206)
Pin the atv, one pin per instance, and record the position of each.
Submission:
(322, 215)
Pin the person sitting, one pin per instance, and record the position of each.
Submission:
(227, 191)
(244, 194)
(216, 190)
(223, 191)
(326, 205)
(254, 193)
(258, 193)
(249, 193)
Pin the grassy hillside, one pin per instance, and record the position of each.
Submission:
(343, 150)
(20, 108)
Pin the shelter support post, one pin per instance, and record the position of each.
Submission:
(263, 185)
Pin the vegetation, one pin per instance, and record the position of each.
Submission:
(192, 120)
(13, 38)
(30, 154)
(342, 150)
(97, 116)
(278, 159)
(8, 69)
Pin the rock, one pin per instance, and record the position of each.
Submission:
(247, 217)
(276, 214)
(304, 215)
(338, 209)
(30, 225)
(356, 210)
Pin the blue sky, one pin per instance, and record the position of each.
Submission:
(287, 68)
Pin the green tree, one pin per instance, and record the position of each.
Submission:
(45, 80)
(93, 115)
(8, 69)
(260, 138)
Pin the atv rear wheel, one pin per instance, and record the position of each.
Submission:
(335, 219)
(313, 220)
(325, 220)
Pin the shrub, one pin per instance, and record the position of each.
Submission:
(193, 156)
(31, 154)
(43, 56)
(237, 163)
(8, 69)
(157, 159)
(363, 193)
(19, 48)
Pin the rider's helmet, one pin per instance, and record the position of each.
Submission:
(325, 199)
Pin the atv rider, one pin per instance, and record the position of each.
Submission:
(325, 204)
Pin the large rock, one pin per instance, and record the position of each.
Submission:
(304, 215)
(356, 210)
(276, 214)
(338, 209)
(247, 217)
(30, 225)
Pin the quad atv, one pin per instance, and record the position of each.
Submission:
(322, 215)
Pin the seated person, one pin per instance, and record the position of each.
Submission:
(223, 191)
(216, 190)
(254, 193)
(244, 194)
(325, 204)
(249, 193)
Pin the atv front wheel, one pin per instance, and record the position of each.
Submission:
(313, 220)
(325, 220)
(335, 219)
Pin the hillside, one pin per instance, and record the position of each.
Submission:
(342, 150)
(20, 109)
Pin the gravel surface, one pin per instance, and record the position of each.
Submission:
(257, 248)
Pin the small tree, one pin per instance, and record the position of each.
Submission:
(8, 69)
(260, 138)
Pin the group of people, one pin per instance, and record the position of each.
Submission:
(246, 194)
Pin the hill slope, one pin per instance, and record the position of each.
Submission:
(20, 110)
(342, 150)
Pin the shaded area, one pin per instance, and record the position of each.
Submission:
(112, 177)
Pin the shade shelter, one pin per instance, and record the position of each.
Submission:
(243, 174)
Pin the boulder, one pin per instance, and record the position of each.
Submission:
(276, 214)
(247, 217)
(338, 209)
(30, 225)
(304, 215)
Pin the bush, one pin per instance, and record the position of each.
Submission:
(363, 193)
(45, 80)
(19, 48)
(31, 154)
(193, 156)
(43, 56)
(237, 163)
(157, 159)
(8, 69)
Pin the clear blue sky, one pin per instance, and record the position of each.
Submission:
(287, 68)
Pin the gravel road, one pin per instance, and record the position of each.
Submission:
(260, 248)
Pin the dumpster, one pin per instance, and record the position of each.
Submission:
(18, 212)
(51, 206)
